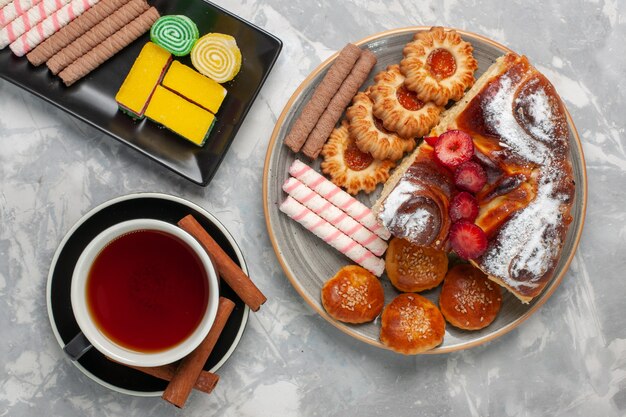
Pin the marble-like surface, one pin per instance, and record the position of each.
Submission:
(568, 359)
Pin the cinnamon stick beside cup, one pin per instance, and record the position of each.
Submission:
(227, 269)
(190, 367)
(206, 381)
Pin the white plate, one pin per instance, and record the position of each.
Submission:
(308, 262)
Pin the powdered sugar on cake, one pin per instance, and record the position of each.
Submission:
(527, 245)
(499, 115)
(413, 223)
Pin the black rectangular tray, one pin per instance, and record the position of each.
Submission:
(92, 99)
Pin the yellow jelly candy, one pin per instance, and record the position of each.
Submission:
(217, 56)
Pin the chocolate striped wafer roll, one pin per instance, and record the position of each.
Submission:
(15, 8)
(96, 35)
(338, 104)
(50, 25)
(75, 29)
(109, 47)
(322, 95)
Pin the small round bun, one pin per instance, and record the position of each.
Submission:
(468, 299)
(412, 268)
(411, 324)
(353, 295)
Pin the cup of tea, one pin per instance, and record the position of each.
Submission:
(144, 292)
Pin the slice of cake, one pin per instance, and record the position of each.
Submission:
(520, 135)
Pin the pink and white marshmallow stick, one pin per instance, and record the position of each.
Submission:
(335, 238)
(14, 9)
(29, 19)
(341, 220)
(50, 25)
(357, 210)
(5, 3)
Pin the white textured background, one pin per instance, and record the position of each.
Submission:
(568, 359)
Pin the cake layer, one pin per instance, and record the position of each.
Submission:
(190, 121)
(142, 79)
(194, 86)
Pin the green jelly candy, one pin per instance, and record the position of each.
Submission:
(175, 33)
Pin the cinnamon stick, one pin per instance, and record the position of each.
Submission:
(206, 381)
(190, 367)
(228, 270)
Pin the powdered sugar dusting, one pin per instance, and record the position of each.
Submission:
(527, 245)
(403, 191)
(528, 242)
(414, 223)
(540, 110)
(498, 113)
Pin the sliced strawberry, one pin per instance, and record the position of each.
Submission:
(470, 176)
(463, 207)
(468, 240)
(453, 148)
(431, 140)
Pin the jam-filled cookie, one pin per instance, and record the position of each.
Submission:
(412, 268)
(399, 109)
(349, 167)
(438, 65)
(369, 133)
(353, 295)
(468, 299)
(411, 324)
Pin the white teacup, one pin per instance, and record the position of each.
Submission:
(90, 330)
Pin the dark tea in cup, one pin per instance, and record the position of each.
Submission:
(144, 293)
(147, 291)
